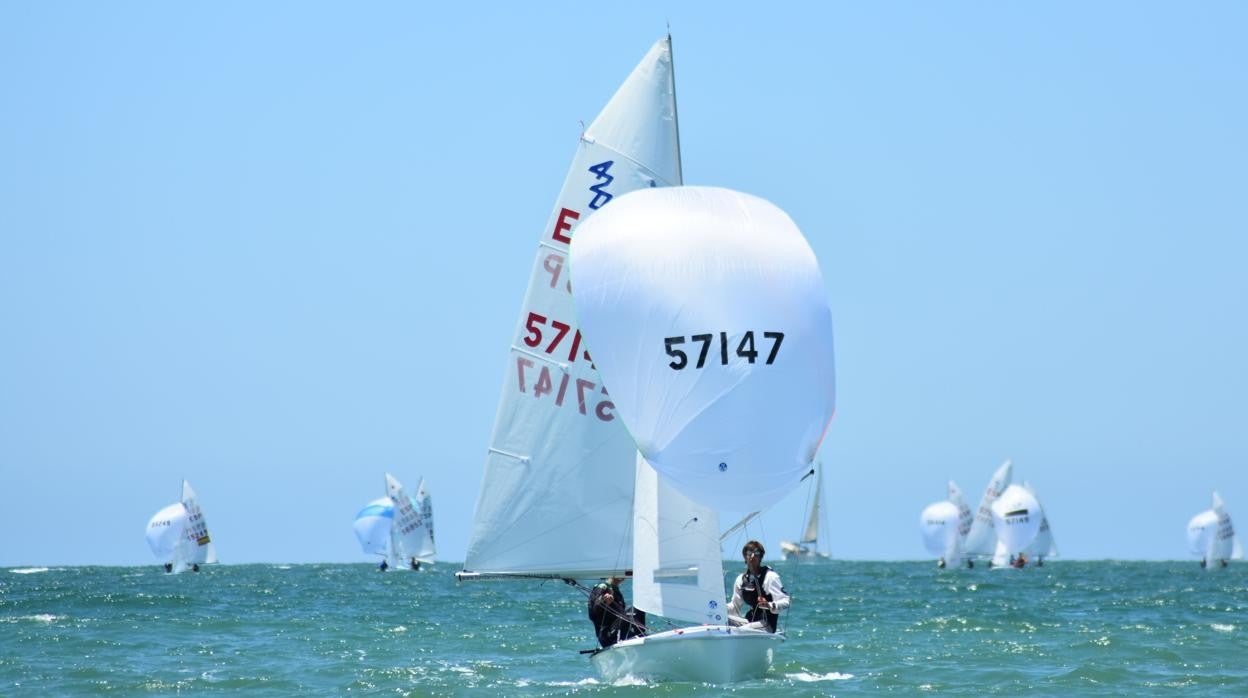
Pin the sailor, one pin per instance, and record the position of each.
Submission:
(941, 563)
(759, 588)
(383, 566)
(612, 620)
(415, 564)
(169, 567)
(195, 567)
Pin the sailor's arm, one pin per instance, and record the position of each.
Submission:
(734, 606)
(779, 599)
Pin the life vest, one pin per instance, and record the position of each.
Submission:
(750, 596)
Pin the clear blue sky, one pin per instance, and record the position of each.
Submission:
(279, 249)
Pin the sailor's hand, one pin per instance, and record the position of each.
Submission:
(608, 597)
(764, 603)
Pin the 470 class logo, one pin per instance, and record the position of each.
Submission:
(601, 195)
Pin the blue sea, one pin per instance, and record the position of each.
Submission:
(1069, 628)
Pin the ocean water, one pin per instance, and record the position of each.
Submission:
(1069, 628)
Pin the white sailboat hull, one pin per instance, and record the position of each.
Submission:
(703, 654)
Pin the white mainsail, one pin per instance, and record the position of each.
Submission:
(1226, 544)
(807, 547)
(708, 318)
(982, 539)
(199, 546)
(557, 493)
(811, 535)
(413, 531)
(1044, 545)
(1016, 518)
(678, 567)
(965, 517)
(938, 523)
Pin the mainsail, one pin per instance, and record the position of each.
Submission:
(557, 493)
(199, 545)
(413, 530)
(965, 517)
(982, 539)
(1043, 545)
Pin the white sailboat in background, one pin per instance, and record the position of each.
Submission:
(661, 278)
(981, 539)
(1044, 546)
(938, 524)
(1016, 517)
(965, 519)
(398, 527)
(807, 548)
(1211, 536)
(178, 534)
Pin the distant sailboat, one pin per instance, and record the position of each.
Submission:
(807, 548)
(397, 527)
(981, 540)
(938, 523)
(1016, 519)
(1211, 536)
(178, 534)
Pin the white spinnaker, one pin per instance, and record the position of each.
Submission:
(1044, 545)
(678, 570)
(372, 526)
(708, 317)
(1016, 517)
(557, 493)
(965, 517)
(198, 544)
(165, 531)
(982, 539)
(811, 535)
(939, 525)
(1200, 533)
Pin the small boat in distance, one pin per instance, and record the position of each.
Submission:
(1211, 537)
(398, 527)
(178, 534)
(807, 548)
(1016, 519)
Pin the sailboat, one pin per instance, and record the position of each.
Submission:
(1016, 519)
(1211, 536)
(1044, 546)
(397, 527)
(944, 526)
(707, 317)
(178, 534)
(807, 548)
(981, 539)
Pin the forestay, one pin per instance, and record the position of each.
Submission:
(982, 539)
(708, 317)
(557, 493)
(678, 568)
(1016, 517)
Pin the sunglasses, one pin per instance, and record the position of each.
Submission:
(753, 553)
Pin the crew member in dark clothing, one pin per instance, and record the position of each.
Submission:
(613, 621)
(759, 588)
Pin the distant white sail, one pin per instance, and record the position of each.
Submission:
(1044, 545)
(413, 533)
(200, 548)
(372, 526)
(939, 525)
(678, 570)
(166, 530)
(557, 495)
(425, 549)
(811, 535)
(1016, 517)
(965, 516)
(982, 539)
(708, 317)
(1201, 531)
(1226, 544)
